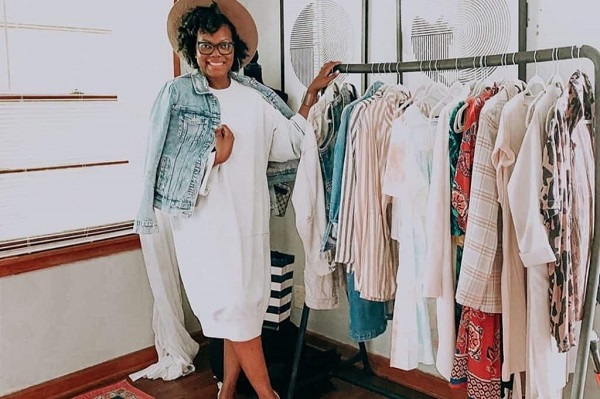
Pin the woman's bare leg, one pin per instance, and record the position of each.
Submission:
(251, 357)
(231, 371)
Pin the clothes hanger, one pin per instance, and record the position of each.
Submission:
(435, 92)
(459, 119)
(416, 93)
(555, 79)
(536, 80)
(485, 82)
(454, 91)
(423, 88)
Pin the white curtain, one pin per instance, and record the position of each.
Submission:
(175, 347)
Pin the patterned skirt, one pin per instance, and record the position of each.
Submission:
(477, 362)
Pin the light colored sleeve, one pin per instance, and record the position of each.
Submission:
(439, 241)
(288, 134)
(503, 158)
(524, 188)
(481, 237)
(308, 198)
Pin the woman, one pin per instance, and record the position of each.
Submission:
(213, 133)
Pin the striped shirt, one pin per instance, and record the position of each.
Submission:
(365, 241)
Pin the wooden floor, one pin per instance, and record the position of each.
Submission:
(200, 385)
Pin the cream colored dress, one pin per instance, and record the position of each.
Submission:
(223, 249)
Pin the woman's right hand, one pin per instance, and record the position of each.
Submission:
(223, 144)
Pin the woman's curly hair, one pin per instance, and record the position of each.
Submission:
(207, 20)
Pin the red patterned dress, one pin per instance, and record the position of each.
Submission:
(477, 361)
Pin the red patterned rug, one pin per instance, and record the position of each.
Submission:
(120, 390)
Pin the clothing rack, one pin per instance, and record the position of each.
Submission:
(385, 388)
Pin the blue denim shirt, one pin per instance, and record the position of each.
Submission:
(183, 119)
(343, 96)
(338, 165)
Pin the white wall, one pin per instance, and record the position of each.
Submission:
(63, 319)
(553, 23)
(266, 16)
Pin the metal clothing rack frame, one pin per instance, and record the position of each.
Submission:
(518, 58)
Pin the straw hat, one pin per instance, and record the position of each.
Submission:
(236, 13)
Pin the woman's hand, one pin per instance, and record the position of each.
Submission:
(325, 76)
(223, 144)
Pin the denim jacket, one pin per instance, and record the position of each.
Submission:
(183, 119)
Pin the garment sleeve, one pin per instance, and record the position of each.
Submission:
(503, 158)
(286, 144)
(524, 188)
(160, 116)
(481, 237)
(308, 198)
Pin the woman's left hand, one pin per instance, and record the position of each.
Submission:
(325, 76)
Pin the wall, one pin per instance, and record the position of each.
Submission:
(67, 318)
(61, 320)
(552, 23)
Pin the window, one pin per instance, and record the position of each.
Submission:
(67, 136)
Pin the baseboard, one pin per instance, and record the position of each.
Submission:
(415, 379)
(67, 386)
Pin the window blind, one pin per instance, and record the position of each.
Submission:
(65, 148)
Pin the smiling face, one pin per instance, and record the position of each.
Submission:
(209, 54)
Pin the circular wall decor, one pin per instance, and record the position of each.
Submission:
(460, 28)
(321, 32)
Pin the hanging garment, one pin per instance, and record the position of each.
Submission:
(175, 347)
(566, 226)
(479, 282)
(375, 265)
(511, 130)
(482, 379)
(583, 195)
(461, 187)
(454, 142)
(339, 154)
(439, 273)
(477, 364)
(322, 281)
(321, 285)
(367, 319)
(331, 117)
(407, 178)
(223, 249)
(546, 367)
(344, 252)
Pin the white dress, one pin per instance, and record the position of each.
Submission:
(407, 178)
(223, 249)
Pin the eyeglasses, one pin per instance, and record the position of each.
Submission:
(207, 48)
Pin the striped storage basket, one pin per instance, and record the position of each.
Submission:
(282, 281)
